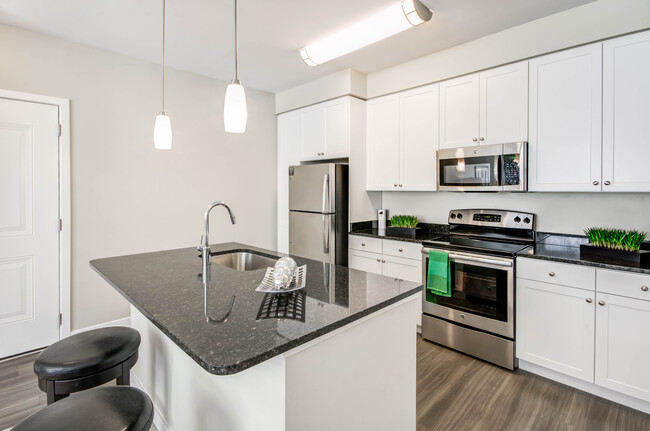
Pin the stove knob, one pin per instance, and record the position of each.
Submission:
(452, 216)
(517, 219)
(526, 220)
(459, 215)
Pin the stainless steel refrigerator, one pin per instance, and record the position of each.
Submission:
(318, 212)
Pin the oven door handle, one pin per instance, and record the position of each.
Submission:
(480, 260)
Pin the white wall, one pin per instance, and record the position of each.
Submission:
(556, 212)
(583, 24)
(126, 196)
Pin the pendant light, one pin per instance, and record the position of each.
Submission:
(162, 130)
(235, 113)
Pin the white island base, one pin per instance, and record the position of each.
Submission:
(359, 377)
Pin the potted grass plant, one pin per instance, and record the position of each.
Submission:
(403, 226)
(617, 244)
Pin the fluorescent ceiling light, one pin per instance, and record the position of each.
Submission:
(390, 21)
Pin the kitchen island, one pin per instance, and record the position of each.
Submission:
(339, 354)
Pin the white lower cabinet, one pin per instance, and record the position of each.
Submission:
(555, 327)
(586, 333)
(388, 257)
(623, 345)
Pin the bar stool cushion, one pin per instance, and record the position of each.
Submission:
(87, 353)
(114, 408)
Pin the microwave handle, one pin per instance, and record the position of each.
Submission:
(499, 169)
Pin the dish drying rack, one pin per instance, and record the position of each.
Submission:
(297, 282)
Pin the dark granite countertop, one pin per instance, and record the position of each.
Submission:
(566, 249)
(165, 287)
(429, 232)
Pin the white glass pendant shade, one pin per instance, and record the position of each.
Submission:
(235, 113)
(390, 21)
(162, 132)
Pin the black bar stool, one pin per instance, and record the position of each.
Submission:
(87, 360)
(114, 408)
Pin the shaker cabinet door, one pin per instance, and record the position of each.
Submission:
(382, 143)
(312, 132)
(565, 121)
(459, 103)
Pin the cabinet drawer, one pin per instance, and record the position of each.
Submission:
(408, 250)
(623, 284)
(582, 277)
(364, 243)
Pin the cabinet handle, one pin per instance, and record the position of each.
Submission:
(644, 288)
(552, 274)
(589, 300)
(401, 250)
(596, 183)
(394, 185)
(607, 183)
(601, 303)
(482, 139)
(363, 244)
(378, 260)
(400, 185)
(383, 261)
(474, 139)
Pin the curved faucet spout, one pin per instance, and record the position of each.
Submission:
(206, 220)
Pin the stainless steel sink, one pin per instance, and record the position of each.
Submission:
(243, 260)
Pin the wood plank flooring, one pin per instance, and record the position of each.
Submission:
(454, 392)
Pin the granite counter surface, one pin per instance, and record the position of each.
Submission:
(166, 288)
(566, 249)
(429, 232)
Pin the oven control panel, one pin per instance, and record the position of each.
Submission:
(493, 218)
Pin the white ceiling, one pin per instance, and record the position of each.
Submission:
(199, 32)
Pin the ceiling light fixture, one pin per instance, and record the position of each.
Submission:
(162, 129)
(235, 113)
(390, 21)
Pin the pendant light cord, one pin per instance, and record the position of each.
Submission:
(163, 58)
(235, 39)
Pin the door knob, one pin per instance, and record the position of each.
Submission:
(482, 139)
(596, 183)
(589, 300)
(400, 185)
(363, 244)
(644, 288)
(401, 250)
(394, 185)
(607, 183)
(378, 260)
(552, 274)
(474, 139)
(601, 303)
(383, 261)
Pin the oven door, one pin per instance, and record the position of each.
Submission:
(470, 169)
(482, 292)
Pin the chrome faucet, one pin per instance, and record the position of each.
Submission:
(204, 248)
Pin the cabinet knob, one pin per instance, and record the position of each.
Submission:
(400, 185)
(394, 185)
(595, 183)
(552, 274)
(607, 183)
(474, 139)
(363, 244)
(378, 260)
(601, 303)
(383, 261)
(589, 301)
(644, 288)
(482, 139)
(401, 250)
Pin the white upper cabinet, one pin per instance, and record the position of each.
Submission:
(325, 130)
(402, 140)
(565, 121)
(459, 105)
(382, 143)
(418, 138)
(503, 111)
(626, 112)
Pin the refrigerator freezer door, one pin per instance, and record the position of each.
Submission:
(312, 188)
(312, 236)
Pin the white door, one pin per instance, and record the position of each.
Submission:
(504, 104)
(555, 327)
(459, 100)
(382, 143)
(312, 132)
(288, 154)
(565, 121)
(29, 236)
(626, 111)
(622, 345)
(418, 138)
(337, 128)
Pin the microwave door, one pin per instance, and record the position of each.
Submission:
(475, 173)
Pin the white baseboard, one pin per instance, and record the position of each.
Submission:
(584, 386)
(158, 421)
(119, 322)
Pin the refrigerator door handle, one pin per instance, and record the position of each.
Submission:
(326, 233)
(326, 193)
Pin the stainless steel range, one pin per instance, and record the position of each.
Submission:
(478, 317)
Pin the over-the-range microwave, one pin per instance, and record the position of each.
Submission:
(486, 168)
